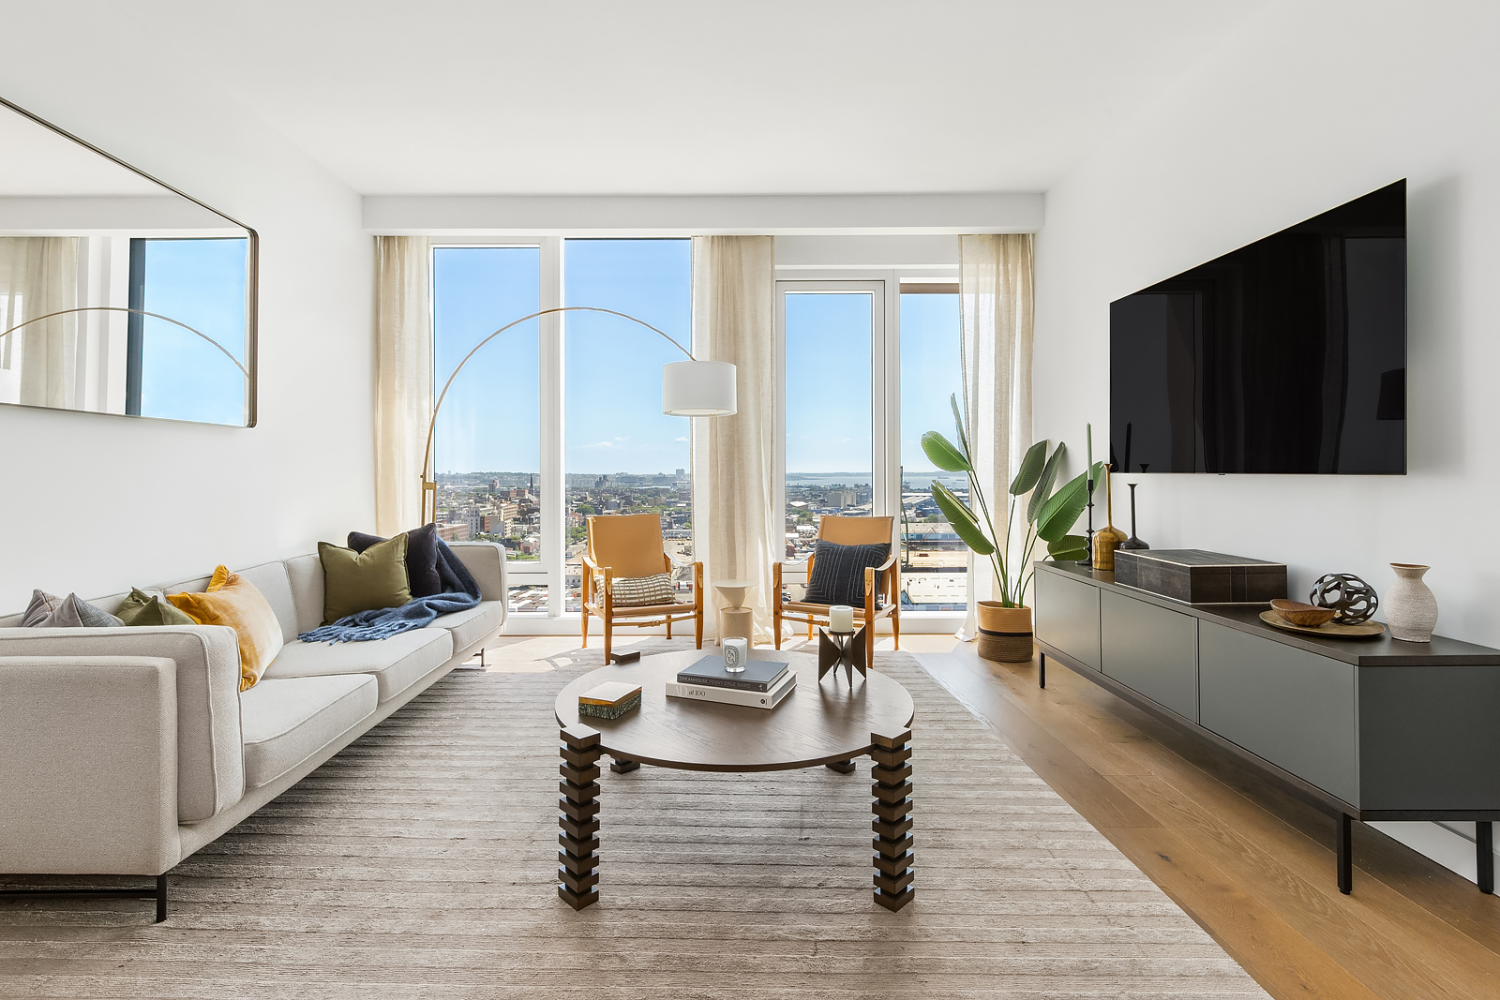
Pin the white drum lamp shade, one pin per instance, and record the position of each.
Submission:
(698, 389)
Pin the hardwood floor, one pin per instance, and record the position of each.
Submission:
(1252, 864)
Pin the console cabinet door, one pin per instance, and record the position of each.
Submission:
(1293, 708)
(1151, 650)
(1067, 616)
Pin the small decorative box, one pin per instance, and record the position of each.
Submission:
(610, 701)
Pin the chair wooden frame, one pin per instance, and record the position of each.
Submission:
(817, 614)
(603, 606)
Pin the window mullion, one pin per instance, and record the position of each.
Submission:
(553, 486)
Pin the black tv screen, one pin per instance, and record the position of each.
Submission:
(1284, 356)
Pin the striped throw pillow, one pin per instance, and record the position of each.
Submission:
(639, 591)
(838, 575)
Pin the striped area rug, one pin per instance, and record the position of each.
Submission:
(419, 863)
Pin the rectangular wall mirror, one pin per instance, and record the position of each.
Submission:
(118, 294)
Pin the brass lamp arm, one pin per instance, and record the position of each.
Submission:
(427, 484)
(142, 312)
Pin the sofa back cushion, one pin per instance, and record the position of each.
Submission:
(306, 574)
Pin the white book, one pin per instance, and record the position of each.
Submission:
(730, 696)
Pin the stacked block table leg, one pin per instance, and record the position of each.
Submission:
(579, 817)
(893, 840)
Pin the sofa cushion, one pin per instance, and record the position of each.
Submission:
(287, 721)
(306, 573)
(397, 662)
(472, 626)
(276, 587)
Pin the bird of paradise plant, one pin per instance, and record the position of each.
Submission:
(1048, 516)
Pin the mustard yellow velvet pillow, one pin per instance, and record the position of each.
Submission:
(232, 600)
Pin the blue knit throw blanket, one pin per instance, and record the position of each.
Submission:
(382, 623)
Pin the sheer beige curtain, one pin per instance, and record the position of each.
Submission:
(734, 522)
(996, 300)
(39, 275)
(403, 381)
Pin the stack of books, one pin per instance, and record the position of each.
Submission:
(610, 701)
(762, 684)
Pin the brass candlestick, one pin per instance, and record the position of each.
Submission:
(1107, 538)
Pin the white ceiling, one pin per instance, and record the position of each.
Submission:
(698, 96)
(40, 162)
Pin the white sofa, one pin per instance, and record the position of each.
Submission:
(124, 750)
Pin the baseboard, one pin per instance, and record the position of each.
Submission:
(1449, 843)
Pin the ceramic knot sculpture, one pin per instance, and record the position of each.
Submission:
(1411, 611)
(1352, 600)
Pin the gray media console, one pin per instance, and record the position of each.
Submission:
(1375, 729)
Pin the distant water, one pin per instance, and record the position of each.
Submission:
(917, 479)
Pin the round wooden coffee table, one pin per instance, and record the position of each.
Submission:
(827, 723)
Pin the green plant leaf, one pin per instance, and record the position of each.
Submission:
(1061, 511)
(941, 453)
(1043, 491)
(965, 524)
(1030, 470)
(1068, 547)
(963, 433)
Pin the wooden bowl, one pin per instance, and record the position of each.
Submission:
(1306, 615)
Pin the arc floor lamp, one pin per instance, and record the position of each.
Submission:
(690, 388)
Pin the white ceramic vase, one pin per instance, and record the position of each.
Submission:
(1411, 611)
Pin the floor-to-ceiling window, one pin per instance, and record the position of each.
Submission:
(487, 445)
(934, 563)
(867, 367)
(829, 335)
(622, 454)
(558, 418)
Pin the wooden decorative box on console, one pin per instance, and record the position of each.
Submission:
(1373, 729)
(1195, 576)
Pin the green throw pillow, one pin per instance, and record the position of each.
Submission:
(363, 581)
(141, 608)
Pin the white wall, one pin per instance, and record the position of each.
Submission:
(96, 503)
(1313, 104)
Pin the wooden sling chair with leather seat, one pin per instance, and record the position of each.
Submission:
(882, 583)
(623, 551)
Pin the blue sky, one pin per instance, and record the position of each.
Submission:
(200, 282)
(614, 422)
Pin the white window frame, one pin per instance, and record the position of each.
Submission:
(550, 570)
(885, 395)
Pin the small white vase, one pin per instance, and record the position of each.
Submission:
(1411, 611)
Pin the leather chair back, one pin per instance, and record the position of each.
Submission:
(855, 530)
(629, 544)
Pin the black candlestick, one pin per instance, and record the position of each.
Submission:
(1133, 542)
(1088, 560)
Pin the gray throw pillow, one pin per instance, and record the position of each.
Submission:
(47, 611)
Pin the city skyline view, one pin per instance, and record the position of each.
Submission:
(621, 454)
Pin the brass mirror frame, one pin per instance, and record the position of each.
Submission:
(252, 283)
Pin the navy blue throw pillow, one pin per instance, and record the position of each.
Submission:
(421, 558)
(838, 575)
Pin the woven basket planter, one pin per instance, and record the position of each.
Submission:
(1004, 633)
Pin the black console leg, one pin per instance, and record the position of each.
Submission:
(1345, 853)
(1484, 849)
(619, 765)
(1041, 674)
(161, 898)
(841, 766)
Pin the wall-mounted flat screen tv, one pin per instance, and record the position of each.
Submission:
(1284, 356)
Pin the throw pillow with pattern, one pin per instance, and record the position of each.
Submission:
(838, 574)
(639, 591)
